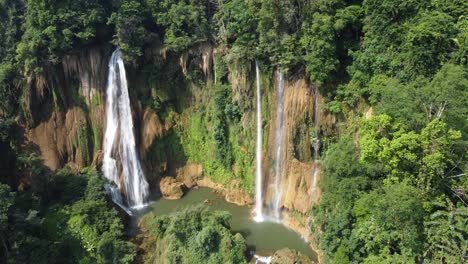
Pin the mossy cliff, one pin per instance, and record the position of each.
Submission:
(194, 114)
(64, 121)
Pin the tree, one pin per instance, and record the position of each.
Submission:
(447, 233)
(428, 43)
(131, 35)
(54, 28)
(98, 227)
(445, 97)
(194, 235)
(6, 201)
(389, 222)
(183, 22)
(318, 42)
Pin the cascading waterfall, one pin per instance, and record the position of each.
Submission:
(258, 154)
(314, 175)
(316, 139)
(120, 162)
(279, 145)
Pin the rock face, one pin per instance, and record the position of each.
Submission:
(64, 109)
(151, 128)
(300, 191)
(298, 165)
(236, 196)
(63, 139)
(189, 174)
(289, 256)
(171, 189)
(232, 194)
(71, 97)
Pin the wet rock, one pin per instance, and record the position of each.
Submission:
(299, 193)
(289, 256)
(171, 189)
(235, 195)
(151, 129)
(189, 174)
(232, 194)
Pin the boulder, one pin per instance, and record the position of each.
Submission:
(235, 195)
(189, 174)
(171, 189)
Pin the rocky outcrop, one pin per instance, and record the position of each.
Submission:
(63, 139)
(189, 174)
(299, 190)
(232, 194)
(151, 128)
(289, 256)
(64, 109)
(235, 195)
(170, 188)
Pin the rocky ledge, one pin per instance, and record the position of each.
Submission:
(171, 189)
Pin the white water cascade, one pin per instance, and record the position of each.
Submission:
(266, 260)
(120, 162)
(279, 145)
(316, 139)
(258, 154)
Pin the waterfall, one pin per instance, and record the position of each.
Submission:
(120, 162)
(116, 197)
(258, 154)
(266, 260)
(316, 139)
(279, 145)
(315, 173)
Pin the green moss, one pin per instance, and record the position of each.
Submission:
(57, 96)
(55, 99)
(77, 98)
(83, 143)
(220, 68)
(303, 134)
(96, 99)
(167, 149)
(200, 145)
(97, 137)
(243, 155)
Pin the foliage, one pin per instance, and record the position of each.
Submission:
(76, 224)
(404, 168)
(389, 222)
(184, 23)
(235, 27)
(422, 159)
(99, 229)
(54, 28)
(10, 34)
(381, 191)
(131, 35)
(6, 201)
(319, 43)
(195, 235)
(446, 230)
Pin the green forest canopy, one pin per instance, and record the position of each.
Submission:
(394, 185)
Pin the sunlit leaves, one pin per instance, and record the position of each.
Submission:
(195, 235)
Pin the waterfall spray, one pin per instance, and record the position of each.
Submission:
(258, 154)
(279, 145)
(120, 162)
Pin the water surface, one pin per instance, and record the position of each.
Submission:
(265, 237)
